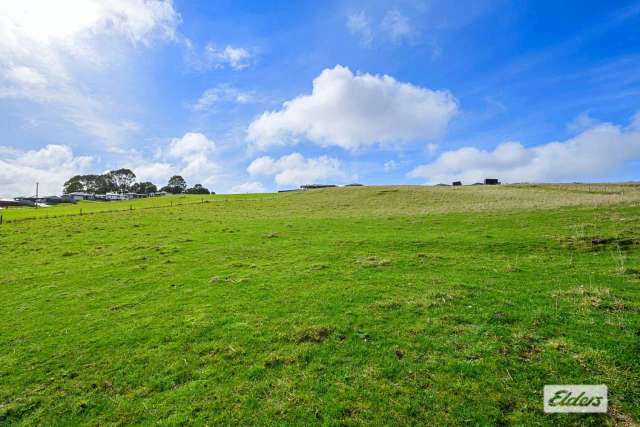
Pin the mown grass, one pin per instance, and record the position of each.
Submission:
(383, 305)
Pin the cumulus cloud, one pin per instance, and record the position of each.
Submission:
(354, 111)
(599, 152)
(193, 152)
(295, 169)
(50, 166)
(192, 156)
(249, 187)
(42, 42)
(224, 94)
(190, 146)
(156, 172)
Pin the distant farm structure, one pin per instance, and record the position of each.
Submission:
(316, 186)
(6, 203)
(487, 181)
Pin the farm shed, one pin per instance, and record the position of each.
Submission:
(77, 196)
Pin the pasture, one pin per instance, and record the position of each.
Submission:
(343, 306)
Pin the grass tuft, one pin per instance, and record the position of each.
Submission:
(373, 261)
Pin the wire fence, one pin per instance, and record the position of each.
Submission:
(131, 207)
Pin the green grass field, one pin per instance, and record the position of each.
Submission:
(354, 306)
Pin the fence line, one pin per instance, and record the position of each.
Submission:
(131, 208)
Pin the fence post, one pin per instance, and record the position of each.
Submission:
(130, 207)
(80, 211)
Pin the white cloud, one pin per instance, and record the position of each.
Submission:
(295, 169)
(390, 166)
(224, 94)
(237, 58)
(193, 152)
(192, 156)
(249, 187)
(596, 153)
(25, 76)
(432, 148)
(582, 122)
(190, 146)
(51, 166)
(396, 26)
(43, 43)
(156, 172)
(264, 166)
(355, 111)
(635, 121)
(42, 36)
(360, 26)
(46, 23)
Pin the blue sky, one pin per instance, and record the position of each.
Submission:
(246, 96)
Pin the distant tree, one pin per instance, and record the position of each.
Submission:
(178, 181)
(94, 184)
(73, 185)
(99, 184)
(176, 185)
(122, 179)
(144, 188)
(198, 189)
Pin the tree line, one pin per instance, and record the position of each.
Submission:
(124, 181)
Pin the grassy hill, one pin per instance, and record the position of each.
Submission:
(345, 306)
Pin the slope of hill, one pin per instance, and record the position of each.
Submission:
(372, 305)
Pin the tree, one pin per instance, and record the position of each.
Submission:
(122, 179)
(176, 185)
(198, 189)
(144, 188)
(93, 184)
(179, 182)
(99, 184)
(73, 185)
